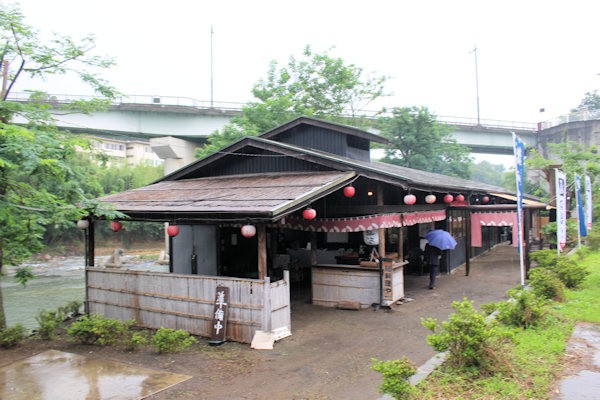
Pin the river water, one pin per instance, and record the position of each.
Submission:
(58, 282)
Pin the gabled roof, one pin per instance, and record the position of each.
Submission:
(348, 130)
(407, 178)
(266, 196)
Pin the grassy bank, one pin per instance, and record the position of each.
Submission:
(528, 366)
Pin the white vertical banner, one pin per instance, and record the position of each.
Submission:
(561, 209)
(519, 151)
(588, 202)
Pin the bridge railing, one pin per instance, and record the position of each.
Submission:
(136, 99)
(586, 115)
(233, 106)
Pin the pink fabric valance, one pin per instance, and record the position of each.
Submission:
(422, 217)
(479, 219)
(363, 223)
(352, 224)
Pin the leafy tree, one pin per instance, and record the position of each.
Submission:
(591, 101)
(484, 171)
(572, 158)
(417, 140)
(316, 85)
(40, 181)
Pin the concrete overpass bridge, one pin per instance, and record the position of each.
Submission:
(192, 120)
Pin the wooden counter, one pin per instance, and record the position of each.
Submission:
(336, 283)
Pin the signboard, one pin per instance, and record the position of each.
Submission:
(219, 321)
(388, 283)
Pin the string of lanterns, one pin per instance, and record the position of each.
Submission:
(309, 213)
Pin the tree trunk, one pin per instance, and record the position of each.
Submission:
(2, 315)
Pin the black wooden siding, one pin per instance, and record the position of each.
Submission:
(254, 163)
(327, 140)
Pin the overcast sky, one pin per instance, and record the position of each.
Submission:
(531, 54)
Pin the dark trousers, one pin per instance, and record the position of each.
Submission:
(434, 270)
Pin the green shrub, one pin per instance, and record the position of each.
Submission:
(523, 309)
(12, 336)
(593, 239)
(395, 377)
(95, 329)
(71, 309)
(571, 273)
(547, 284)
(465, 335)
(49, 322)
(582, 252)
(544, 258)
(171, 341)
(135, 340)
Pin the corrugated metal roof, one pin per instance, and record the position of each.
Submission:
(270, 194)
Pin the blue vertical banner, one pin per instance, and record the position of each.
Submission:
(589, 206)
(519, 151)
(580, 210)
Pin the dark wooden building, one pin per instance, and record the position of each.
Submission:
(266, 184)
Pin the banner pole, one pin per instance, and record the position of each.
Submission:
(519, 151)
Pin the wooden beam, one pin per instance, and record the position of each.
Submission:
(381, 248)
(262, 251)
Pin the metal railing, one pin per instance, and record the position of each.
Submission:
(587, 115)
(134, 99)
(236, 106)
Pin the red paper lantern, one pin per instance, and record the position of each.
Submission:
(410, 199)
(430, 199)
(115, 226)
(248, 231)
(485, 199)
(309, 213)
(448, 198)
(172, 230)
(460, 198)
(349, 191)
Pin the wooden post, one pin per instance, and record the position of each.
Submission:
(467, 217)
(262, 251)
(381, 247)
(526, 228)
(401, 243)
(313, 248)
(91, 239)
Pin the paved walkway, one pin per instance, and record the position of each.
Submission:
(584, 349)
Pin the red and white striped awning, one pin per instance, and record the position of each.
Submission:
(364, 223)
(422, 217)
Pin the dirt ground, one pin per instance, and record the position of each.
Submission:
(329, 353)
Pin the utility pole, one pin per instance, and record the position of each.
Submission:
(476, 84)
(211, 66)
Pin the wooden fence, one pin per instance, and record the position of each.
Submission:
(155, 299)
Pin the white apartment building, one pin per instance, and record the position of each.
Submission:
(129, 151)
